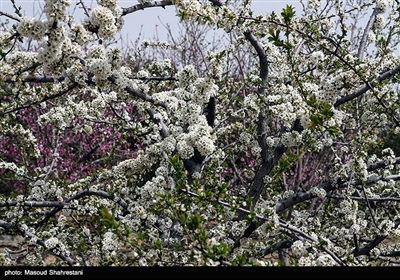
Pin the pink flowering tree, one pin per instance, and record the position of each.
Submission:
(274, 146)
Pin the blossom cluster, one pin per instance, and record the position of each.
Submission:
(217, 163)
(31, 27)
(108, 20)
(57, 10)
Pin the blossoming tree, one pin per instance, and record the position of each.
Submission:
(281, 142)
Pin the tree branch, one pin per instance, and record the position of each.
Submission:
(150, 4)
(9, 16)
(300, 197)
(263, 59)
(364, 89)
(364, 39)
(41, 242)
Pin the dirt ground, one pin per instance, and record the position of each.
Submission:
(15, 243)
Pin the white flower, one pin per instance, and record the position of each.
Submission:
(108, 3)
(375, 252)
(298, 248)
(96, 51)
(185, 151)
(105, 19)
(314, 4)
(80, 35)
(324, 260)
(291, 139)
(30, 27)
(142, 74)
(383, 4)
(245, 138)
(109, 241)
(205, 146)
(187, 76)
(51, 242)
(316, 57)
(319, 192)
(100, 68)
(371, 37)
(57, 9)
(190, 8)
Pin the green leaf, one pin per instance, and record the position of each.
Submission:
(108, 219)
(316, 120)
(275, 37)
(104, 213)
(194, 222)
(288, 13)
(312, 100)
(221, 54)
(333, 130)
(326, 110)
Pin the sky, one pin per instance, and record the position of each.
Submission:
(143, 22)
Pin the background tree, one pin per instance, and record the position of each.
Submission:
(278, 138)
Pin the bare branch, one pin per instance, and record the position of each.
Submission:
(150, 4)
(39, 241)
(263, 60)
(9, 16)
(300, 197)
(61, 93)
(364, 39)
(381, 78)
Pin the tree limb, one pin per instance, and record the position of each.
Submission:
(381, 78)
(364, 39)
(150, 4)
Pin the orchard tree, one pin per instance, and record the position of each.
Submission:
(275, 144)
